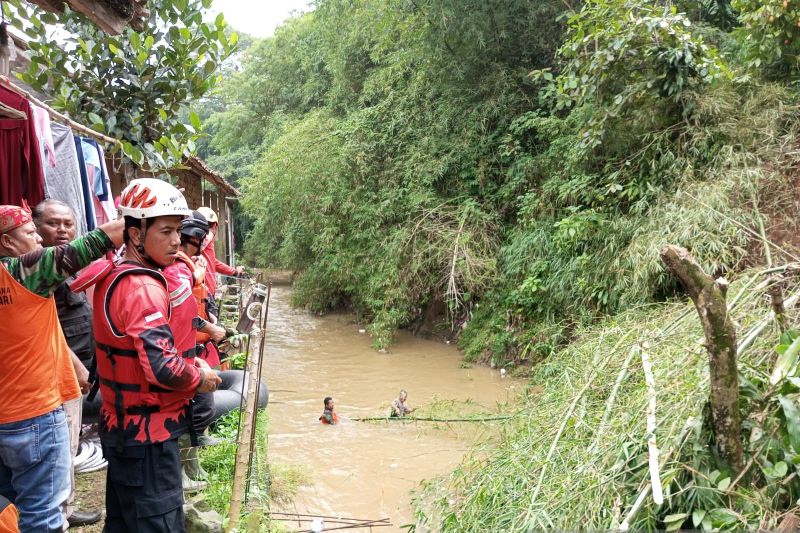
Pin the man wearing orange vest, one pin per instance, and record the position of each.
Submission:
(146, 384)
(36, 372)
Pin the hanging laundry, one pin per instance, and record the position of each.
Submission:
(103, 209)
(44, 134)
(63, 182)
(21, 171)
(86, 187)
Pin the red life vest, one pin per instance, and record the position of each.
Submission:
(325, 420)
(149, 413)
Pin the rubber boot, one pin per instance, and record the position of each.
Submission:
(192, 474)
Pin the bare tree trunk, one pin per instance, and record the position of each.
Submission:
(775, 291)
(708, 296)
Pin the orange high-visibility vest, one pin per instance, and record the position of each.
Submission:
(200, 293)
(36, 372)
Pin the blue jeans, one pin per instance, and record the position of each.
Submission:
(35, 468)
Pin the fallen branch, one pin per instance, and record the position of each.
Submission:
(428, 419)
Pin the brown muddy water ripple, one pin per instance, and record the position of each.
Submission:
(358, 469)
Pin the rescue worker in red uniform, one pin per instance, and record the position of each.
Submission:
(146, 383)
(187, 295)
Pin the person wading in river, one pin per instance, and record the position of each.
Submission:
(399, 407)
(329, 416)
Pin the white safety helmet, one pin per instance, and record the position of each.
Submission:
(150, 198)
(209, 213)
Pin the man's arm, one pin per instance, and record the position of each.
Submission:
(81, 372)
(142, 310)
(43, 270)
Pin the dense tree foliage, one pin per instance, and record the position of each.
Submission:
(516, 163)
(132, 86)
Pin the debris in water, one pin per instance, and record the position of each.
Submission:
(317, 525)
(362, 331)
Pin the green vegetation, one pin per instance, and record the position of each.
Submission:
(518, 166)
(578, 456)
(135, 85)
(514, 164)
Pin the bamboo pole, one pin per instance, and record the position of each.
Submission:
(259, 370)
(428, 419)
(241, 468)
(652, 448)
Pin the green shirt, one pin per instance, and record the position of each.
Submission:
(43, 270)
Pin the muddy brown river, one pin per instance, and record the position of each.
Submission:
(364, 469)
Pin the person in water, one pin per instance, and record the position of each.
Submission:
(399, 406)
(329, 416)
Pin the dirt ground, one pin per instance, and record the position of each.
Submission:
(91, 494)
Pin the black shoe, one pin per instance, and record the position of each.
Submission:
(84, 518)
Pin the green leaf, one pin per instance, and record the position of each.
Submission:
(786, 362)
(697, 517)
(724, 484)
(195, 120)
(777, 471)
(792, 415)
(94, 118)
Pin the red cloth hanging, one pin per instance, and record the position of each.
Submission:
(21, 170)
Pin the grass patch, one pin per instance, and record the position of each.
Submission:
(577, 458)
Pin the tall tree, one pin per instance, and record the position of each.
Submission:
(131, 86)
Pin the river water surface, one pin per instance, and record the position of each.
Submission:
(364, 469)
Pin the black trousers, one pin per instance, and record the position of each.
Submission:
(202, 411)
(144, 493)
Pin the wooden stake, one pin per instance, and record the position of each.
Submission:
(709, 297)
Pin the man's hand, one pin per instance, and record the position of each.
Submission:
(210, 380)
(201, 364)
(239, 271)
(81, 373)
(114, 230)
(217, 333)
(212, 319)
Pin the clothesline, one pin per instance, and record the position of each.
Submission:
(58, 116)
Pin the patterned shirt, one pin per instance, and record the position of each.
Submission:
(43, 270)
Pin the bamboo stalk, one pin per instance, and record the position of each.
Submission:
(567, 416)
(652, 448)
(428, 419)
(242, 451)
(613, 396)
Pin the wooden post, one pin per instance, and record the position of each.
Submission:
(775, 291)
(245, 438)
(709, 296)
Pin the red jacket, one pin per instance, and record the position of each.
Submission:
(145, 382)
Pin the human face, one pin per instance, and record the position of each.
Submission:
(57, 225)
(162, 239)
(21, 240)
(191, 247)
(329, 405)
(403, 396)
